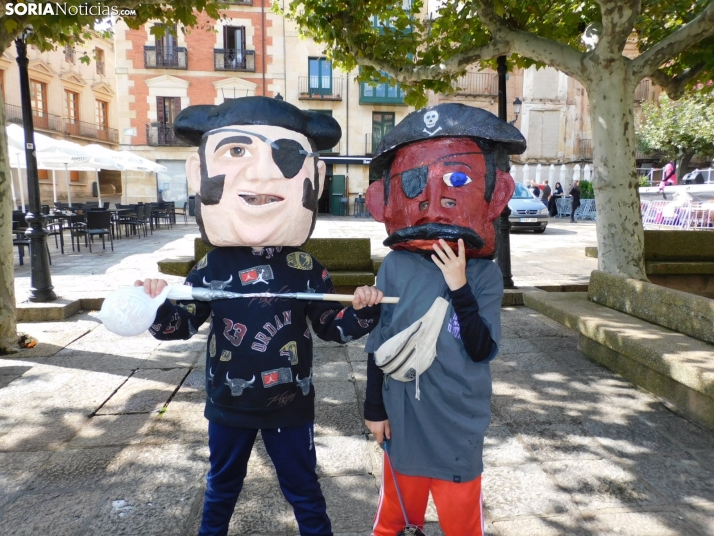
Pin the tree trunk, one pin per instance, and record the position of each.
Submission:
(620, 235)
(682, 165)
(8, 322)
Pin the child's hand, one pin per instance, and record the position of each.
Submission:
(366, 297)
(451, 265)
(380, 430)
(152, 287)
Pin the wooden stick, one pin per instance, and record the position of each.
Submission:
(350, 297)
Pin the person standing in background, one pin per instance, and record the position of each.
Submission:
(546, 194)
(574, 200)
(553, 201)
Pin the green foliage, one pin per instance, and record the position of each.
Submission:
(586, 190)
(76, 25)
(677, 128)
(347, 30)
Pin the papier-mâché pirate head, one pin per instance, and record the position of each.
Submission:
(444, 175)
(257, 175)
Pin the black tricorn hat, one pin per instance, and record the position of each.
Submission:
(193, 122)
(449, 120)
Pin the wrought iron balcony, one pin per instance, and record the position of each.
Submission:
(55, 123)
(165, 58)
(319, 88)
(162, 135)
(477, 84)
(227, 59)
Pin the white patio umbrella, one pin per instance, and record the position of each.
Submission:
(586, 173)
(538, 172)
(134, 162)
(525, 174)
(106, 159)
(551, 174)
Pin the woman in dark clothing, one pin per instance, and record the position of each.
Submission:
(574, 200)
(552, 201)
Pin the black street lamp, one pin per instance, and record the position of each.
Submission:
(40, 279)
(516, 110)
(504, 244)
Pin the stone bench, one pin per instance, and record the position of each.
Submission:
(658, 338)
(682, 260)
(348, 260)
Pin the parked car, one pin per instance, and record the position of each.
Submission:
(527, 212)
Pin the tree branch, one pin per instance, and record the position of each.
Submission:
(618, 20)
(691, 33)
(675, 86)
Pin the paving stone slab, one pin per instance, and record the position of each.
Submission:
(559, 441)
(502, 447)
(69, 470)
(538, 361)
(359, 370)
(261, 509)
(113, 430)
(18, 468)
(338, 419)
(331, 371)
(166, 465)
(340, 456)
(100, 338)
(524, 490)
(516, 346)
(335, 392)
(700, 516)
(97, 360)
(543, 526)
(601, 484)
(48, 430)
(629, 437)
(329, 353)
(164, 510)
(682, 479)
(144, 392)
(356, 354)
(351, 502)
(681, 431)
(57, 513)
(182, 422)
(656, 523)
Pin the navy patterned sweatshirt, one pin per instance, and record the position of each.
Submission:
(259, 351)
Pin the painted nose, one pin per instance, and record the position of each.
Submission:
(263, 166)
(434, 213)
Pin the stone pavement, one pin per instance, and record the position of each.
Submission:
(105, 435)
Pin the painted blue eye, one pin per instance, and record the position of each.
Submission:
(456, 179)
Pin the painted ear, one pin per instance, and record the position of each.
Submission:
(505, 186)
(193, 173)
(321, 172)
(375, 200)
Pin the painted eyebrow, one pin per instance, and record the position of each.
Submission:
(449, 163)
(233, 139)
(255, 134)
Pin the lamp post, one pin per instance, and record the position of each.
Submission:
(516, 110)
(41, 289)
(504, 246)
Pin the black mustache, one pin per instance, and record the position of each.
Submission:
(434, 231)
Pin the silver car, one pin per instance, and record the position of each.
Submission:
(528, 213)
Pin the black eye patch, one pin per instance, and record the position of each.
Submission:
(289, 156)
(414, 181)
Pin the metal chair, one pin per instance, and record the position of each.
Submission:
(182, 212)
(99, 223)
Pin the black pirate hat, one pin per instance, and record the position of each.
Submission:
(449, 120)
(193, 122)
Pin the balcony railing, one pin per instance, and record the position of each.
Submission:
(165, 58)
(234, 60)
(162, 134)
(642, 91)
(55, 123)
(476, 84)
(332, 150)
(370, 145)
(320, 88)
(586, 149)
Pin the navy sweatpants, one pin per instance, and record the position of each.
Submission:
(292, 451)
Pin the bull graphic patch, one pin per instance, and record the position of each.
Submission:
(277, 376)
(212, 346)
(300, 260)
(290, 351)
(238, 385)
(218, 284)
(226, 355)
(257, 274)
(304, 384)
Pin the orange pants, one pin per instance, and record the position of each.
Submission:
(459, 505)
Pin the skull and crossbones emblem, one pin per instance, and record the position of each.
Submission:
(431, 117)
